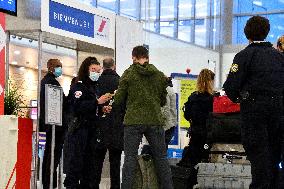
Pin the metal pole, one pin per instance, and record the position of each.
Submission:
(7, 59)
(52, 157)
(38, 110)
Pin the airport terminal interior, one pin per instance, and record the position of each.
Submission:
(180, 40)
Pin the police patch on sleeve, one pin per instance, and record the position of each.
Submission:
(78, 94)
(234, 68)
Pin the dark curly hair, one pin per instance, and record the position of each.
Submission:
(83, 73)
(140, 52)
(257, 28)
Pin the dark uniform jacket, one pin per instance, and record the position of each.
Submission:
(256, 70)
(49, 78)
(199, 106)
(111, 125)
(83, 102)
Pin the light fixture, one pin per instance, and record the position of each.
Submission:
(14, 62)
(20, 38)
(257, 3)
(22, 68)
(17, 52)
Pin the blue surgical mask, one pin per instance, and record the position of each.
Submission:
(94, 76)
(58, 71)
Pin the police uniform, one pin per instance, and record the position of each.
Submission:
(81, 133)
(49, 78)
(256, 80)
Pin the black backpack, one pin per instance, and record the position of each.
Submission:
(187, 110)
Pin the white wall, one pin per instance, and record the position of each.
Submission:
(129, 33)
(172, 56)
(226, 65)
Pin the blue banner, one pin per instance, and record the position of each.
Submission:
(9, 5)
(71, 19)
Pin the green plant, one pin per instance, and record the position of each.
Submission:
(13, 100)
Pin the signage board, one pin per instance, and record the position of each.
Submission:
(53, 105)
(75, 20)
(8, 6)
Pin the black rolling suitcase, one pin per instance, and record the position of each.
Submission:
(183, 177)
(224, 128)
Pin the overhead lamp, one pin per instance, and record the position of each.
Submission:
(14, 62)
(257, 3)
(17, 52)
(20, 38)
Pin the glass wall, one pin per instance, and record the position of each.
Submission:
(271, 9)
(194, 21)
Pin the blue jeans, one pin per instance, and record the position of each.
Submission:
(156, 138)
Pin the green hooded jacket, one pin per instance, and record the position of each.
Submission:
(142, 90)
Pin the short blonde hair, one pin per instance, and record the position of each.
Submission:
(205, 81)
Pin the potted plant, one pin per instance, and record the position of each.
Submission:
(15, 138)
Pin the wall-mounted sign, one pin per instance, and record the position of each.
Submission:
(8, 6)
(75, 20)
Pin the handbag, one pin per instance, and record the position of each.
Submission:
(222, 104)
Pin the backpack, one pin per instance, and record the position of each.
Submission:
(187, 110)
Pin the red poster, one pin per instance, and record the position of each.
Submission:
(2, 61)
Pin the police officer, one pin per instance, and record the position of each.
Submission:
(111, 129)
(82, 127)
(256, 80)
(54, 70)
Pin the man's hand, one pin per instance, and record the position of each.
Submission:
(107, 109)
(103, 99)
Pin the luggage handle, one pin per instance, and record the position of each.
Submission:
(228, 152)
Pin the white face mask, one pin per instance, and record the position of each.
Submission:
(94, 76)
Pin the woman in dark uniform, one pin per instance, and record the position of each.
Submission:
(82, 126)
(198, 106)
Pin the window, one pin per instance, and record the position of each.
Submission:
(167, 28)
(129, 8)
(276, 28)
(107, 4)
(202, 8)
(185, 9)
(167, 10)
(253, 6)
(184, 30)
(149, 14)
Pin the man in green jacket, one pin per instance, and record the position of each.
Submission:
(142, 91)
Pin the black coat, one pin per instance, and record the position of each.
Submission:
(49, 78)
(111, 126)
(83, 102)
(199, 105)
(256, 70)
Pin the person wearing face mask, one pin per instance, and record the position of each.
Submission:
(110, 128)
(54, 71)
(82, 134)
(142, 88)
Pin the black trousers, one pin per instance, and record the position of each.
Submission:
(114, 160)
(80, 153)
(261, 134)
(59, 139)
